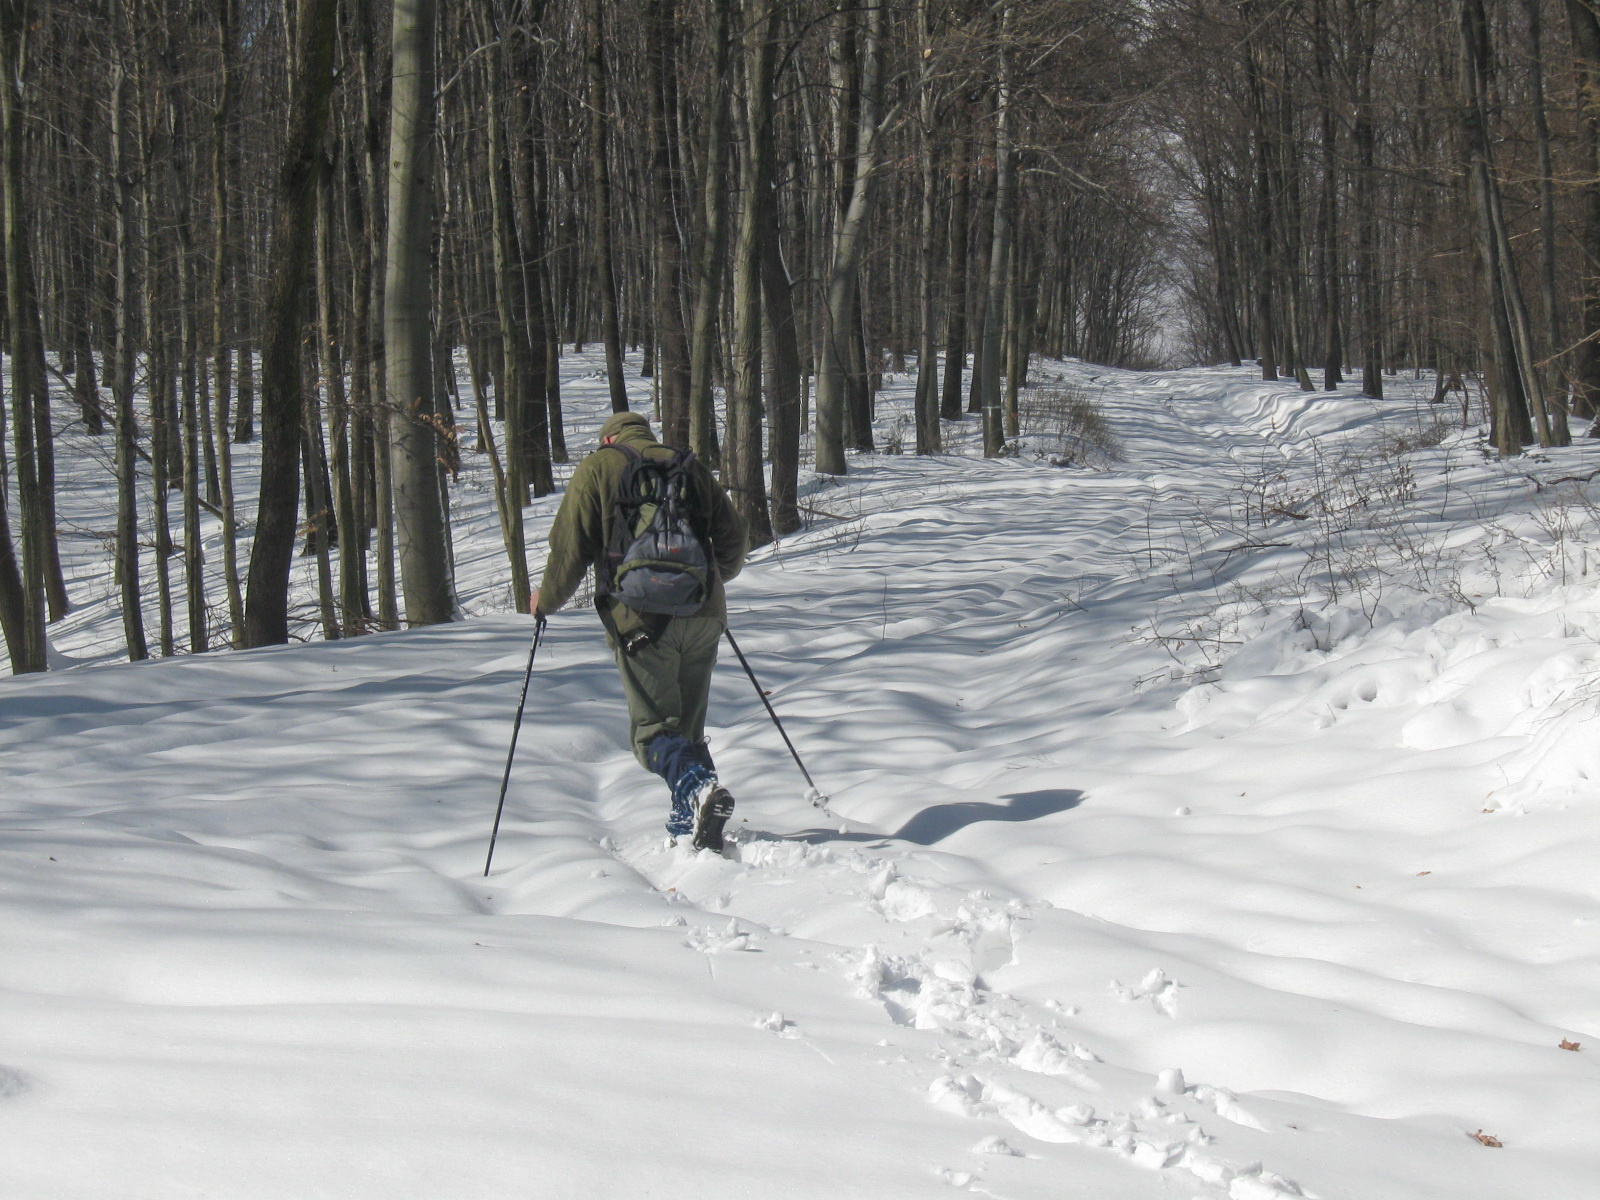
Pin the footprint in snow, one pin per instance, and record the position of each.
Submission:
(779, 1024)
(1154, 987)
(13, 1083)
(711, 941)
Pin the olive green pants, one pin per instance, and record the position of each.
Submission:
(668, 681)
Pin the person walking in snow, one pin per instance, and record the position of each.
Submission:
(662, 539)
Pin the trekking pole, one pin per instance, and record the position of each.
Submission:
(505, 781)
(815, 796)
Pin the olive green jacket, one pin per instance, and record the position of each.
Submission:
(582, 527)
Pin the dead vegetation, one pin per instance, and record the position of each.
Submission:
(1066, 427)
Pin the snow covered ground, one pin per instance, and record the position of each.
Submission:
(1219, 824)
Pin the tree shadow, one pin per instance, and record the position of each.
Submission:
(934, 824)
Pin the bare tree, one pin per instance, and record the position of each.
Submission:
(266, 614)
(407, 320)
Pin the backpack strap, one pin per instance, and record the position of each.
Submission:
(627, 452)
(617, 541)
(682, 466)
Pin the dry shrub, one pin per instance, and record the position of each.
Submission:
(894, 441)
(1067, 427)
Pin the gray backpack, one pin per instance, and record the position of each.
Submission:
(657, 560)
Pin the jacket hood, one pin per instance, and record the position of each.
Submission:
(629, 425)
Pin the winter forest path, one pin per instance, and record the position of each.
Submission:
(1060, 942)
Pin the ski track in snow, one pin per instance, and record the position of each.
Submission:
(1086, 922)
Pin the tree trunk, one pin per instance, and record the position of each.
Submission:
(661, 26)
(549, 436)
(163, 441)
(994, 308)
(244, 415)
(927, 395)
(742, 471)
(833, 379)
(86, 286)
(1584, 22)
(506, 508)
(314, 460)
(859, 411)
(955, 343)
(1549, 344)
(183, 435)
(267, 592)
(1511, 374)
(600, 180)
(518, 388)
(368, 236)
(127, 539)
(711, 249)
(1262, 204)
(782, 354)
(1329, 257)
(1016, 344)
(13, 620)
(978, 293)
(352, 558)
(194, 558)
(26, 351)
(1364, 135)
(407, 324)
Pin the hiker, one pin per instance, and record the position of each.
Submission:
(659, 570)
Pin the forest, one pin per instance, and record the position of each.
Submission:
(364, 236)
(1147, 749)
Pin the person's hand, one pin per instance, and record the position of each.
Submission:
(533, 604)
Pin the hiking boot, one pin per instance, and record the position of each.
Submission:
(714, 809)
(686, 766)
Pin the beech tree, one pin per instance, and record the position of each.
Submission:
(408, 319)
(267, 600)
(291, 219)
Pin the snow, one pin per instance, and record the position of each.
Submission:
(1217, 824)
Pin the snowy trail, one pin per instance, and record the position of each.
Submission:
(1067, 940)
